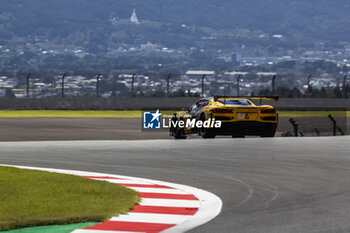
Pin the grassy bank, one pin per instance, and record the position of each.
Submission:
(53, 228)
(36, 198)
(134, 113)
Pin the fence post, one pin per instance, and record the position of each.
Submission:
(62, 83)
(334, 122)
(317, 132)
(340, 130)
(295, 127)
(28, 76)
(98, 85)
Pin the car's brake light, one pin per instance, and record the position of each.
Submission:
(268, 110)
(219, 110)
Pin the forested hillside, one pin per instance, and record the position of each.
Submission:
(312, 19)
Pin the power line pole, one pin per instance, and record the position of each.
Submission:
(238, 80)
(98, 85)
(308, 81)
(28, 76)
(297, 61)
(345, 94)
(309, 85)
(132, 85)
(273, 84)
(62, 83)
(113, 84)
(203, 85)
(228, 86)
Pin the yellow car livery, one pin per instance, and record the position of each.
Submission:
(226, 115)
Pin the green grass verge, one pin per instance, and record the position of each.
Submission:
(53, 229)
(134, 113)
(36, 198)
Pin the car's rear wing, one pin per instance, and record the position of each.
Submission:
(274, 98)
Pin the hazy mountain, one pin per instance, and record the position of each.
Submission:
(318, 19)
(34, 34)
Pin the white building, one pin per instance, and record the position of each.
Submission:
(133, 18)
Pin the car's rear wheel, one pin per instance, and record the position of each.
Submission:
(206, 132)
(176, 132)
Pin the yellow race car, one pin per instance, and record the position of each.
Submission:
(226, 115)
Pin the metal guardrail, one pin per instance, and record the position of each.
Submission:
(202, 85)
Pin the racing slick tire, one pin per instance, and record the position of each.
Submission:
(176, 132)
(206, 132)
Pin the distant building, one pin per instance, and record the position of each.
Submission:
(277, 36)
(200, 72)
(133, 18)
(224, 57)
(319, 46)
(237, 57)
(149, 46)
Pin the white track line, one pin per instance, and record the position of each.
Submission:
(170, 203)
(152, 218)
(208, 204)
(156, 190)
(122, 181)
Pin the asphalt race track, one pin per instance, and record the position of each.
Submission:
(54, 129)
(268, 185)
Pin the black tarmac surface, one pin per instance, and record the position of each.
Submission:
(46, 129)
(268, 185)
